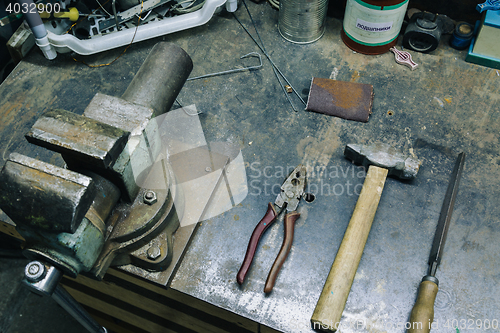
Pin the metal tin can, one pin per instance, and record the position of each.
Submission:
(302, 21)
(371, 26)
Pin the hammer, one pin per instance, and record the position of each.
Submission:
(381, 161)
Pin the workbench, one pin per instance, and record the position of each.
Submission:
(442, 108)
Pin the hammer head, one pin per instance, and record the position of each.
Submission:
(384, 156)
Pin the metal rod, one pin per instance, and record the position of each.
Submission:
(251, 54)
(270, 60)
(113, 3)
(65, 300)
(274, 69)
(284, 90)
(160, 78)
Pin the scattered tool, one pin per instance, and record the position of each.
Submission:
(404, 58)
(248, 68)
(382, 160)
(422, 314)
(289, 197)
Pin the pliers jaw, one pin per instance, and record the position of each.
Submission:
(292, 189)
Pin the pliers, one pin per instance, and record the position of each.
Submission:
(290, 194)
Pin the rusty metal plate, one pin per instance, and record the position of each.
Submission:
(348, 100)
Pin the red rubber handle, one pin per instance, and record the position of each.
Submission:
(290, 219)
(266, 221)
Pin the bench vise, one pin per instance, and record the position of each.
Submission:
(104, 208)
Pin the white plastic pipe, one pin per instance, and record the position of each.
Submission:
(231, 5)
(38, 29)
(67, 43)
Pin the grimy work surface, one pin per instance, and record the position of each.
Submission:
(444, 107)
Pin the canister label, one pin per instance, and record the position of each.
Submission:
(373, 25)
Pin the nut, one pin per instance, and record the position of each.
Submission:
(150, 197)
(289, 89)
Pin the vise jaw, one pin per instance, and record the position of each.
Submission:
(26, 182)
(60, 213)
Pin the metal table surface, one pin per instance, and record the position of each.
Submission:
(444, 107)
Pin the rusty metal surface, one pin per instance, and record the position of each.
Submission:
(348, 100)
(151, 87)
(88, 141)
(30, 189)
(119, 113)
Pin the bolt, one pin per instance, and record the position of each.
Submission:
(34, 271)
(154, 252)
(150, 197)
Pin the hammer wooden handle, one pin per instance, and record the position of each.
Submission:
(333, 298)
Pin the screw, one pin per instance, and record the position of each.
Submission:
(149, 197)
(154, 252)
(34, 271)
